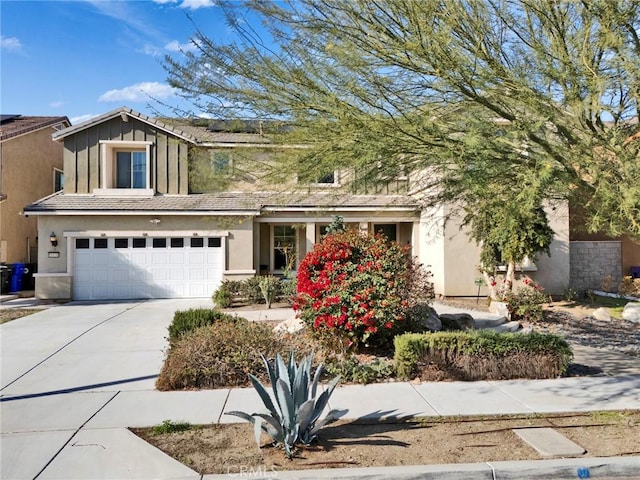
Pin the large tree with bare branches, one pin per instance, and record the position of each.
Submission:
(537, 96)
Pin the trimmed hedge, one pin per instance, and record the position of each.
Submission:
(483, 354)
(187, 320)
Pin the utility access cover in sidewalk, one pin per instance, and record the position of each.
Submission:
(549, 443)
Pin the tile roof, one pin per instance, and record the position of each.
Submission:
(223, 202)
(227, 202)
(177, 127)
(14, 125)
(202, 135)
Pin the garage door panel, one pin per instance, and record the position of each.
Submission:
(146, 272)
(197, 274)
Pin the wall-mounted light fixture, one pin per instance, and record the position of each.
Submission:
(53, 239)
(155, 221)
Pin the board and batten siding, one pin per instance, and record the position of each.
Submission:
(168, 163)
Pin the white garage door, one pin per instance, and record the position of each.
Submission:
(145, 267)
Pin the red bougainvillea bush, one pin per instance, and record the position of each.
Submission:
(357, 288)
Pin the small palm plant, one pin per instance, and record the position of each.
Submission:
(293, 418)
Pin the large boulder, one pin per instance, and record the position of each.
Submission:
(601, 314)
(426, 317)
(457, 321)
(508, 327)
(631, 312)
(291, 325)
(499, 308)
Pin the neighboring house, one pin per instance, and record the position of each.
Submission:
(129, 223)
(30, 168)
(597, 260)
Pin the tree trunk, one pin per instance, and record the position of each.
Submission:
(510, 277)
(491, 283)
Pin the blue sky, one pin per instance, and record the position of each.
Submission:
(83, 58)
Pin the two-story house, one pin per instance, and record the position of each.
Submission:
(30, 168)
(135, 220)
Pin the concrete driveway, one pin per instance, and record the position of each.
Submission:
(62, 366)
(74, 377)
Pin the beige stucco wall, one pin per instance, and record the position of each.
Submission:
(50, 280)
(430, 246)
(28, 163)
(454, 258)
(554, 271)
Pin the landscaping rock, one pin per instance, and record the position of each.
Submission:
(490, 322)
(292, 325)
(631, 312)
(457, 321)
(499, 308)
(432, 322)
(601, 314)
(508, 327)
(426, 316)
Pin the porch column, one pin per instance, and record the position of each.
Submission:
(310, 236)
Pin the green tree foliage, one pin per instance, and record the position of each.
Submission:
(490, 91)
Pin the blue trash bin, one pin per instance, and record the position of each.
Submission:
(16, 277)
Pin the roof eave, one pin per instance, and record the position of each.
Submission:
(223, 213)
(62, 134)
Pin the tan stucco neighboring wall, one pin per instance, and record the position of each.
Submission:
(454, 258)
(462, 259)
(554, 271)
(28, 163)
(430, 247)
(50, 280)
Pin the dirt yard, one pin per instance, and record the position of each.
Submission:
(230, 448)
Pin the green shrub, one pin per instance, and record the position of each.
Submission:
(526, 303)
(483, 354)
(288, 289)
(227, 292)
(187, 320)
(270, 287)
(251, 291)
(352, 370)
(221, 354)
(167, 426)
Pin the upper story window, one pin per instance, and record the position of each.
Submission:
(327, 179)
(221, 162)
(131, 169)
(58, 180)
(125, 168)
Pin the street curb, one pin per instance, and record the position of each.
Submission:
(565, 468)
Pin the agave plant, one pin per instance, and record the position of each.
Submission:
(294, 415)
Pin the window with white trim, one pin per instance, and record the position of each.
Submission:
(283, 247)
(125, 168)
(131, 169)
(328, 178)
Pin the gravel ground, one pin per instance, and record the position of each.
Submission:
(614, 334)
(578, 327)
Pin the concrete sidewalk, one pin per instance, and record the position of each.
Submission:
(74, 377)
